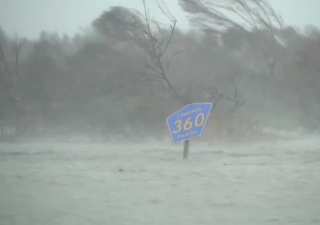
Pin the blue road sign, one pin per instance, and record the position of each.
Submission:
(188, 122)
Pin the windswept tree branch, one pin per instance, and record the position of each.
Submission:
(214, 96)
(129, 25)
(169, 59)
(157, 49)
(218, 16)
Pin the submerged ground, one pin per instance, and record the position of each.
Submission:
(81, 184)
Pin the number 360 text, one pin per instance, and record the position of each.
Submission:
(199, 120)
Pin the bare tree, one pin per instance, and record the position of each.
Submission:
(248, 16)
(156, 48)
(130, 25)
(9, 80)
(10, 108)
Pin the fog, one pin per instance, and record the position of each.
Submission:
(124, 75)
(114, 85)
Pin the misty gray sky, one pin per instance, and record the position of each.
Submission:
(29, 17)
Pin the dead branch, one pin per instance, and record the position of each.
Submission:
(171, 57)
(215, 96)
(158, 48)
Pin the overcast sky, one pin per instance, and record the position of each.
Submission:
(29, 17)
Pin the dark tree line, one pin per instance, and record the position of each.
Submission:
(130, 70)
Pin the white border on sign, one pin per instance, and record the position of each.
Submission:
(205, 122)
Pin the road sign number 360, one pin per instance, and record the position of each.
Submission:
(199, 120)
(188, 122)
